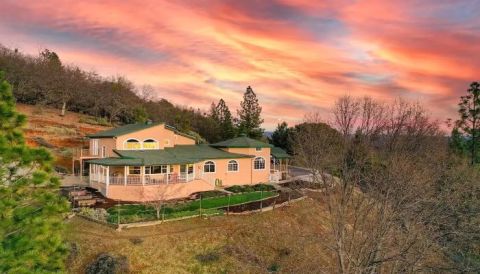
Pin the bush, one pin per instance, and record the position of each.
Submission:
(210, 194)
(263, 187)
(208, 257)
(235, 189)
(99, 214)
(107, 264)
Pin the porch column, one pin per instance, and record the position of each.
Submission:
(142, 174)
(125, 170)
(81, 168)
(90, 173)
(168, 173)
(107, 180)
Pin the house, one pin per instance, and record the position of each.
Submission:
(154, 161)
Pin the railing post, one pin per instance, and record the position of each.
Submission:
(142, 174)
(107, 179)
(125, 169)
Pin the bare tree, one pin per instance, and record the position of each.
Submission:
(380, 199)
(346, 112)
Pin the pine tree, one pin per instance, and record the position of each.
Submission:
(281, 137)
(249, 115)
(469, 122)
(30, 205)
(225, 120)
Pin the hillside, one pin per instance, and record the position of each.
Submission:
(287, 240)
(60, 135)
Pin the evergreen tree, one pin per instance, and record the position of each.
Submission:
(249, 115)
(225, 121)
(31, 208)
(469, 122)
(281, 137)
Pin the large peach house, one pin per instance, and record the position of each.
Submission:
(153, 161)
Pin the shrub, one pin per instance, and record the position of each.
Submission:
(107, 264)
(136, 241)
(99, 214)
(208, 257)
(263, 187)
(273, 267)
(235, 189)
(211, 193)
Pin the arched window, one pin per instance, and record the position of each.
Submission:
(259, 163)
(209, 167)
(132, 144)
(232, 166)
(150, 144)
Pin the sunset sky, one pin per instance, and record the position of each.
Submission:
(298, 55)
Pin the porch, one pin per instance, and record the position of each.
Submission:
(279, 165)
(141, 175)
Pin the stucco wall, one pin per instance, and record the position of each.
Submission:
(157, 192)
(245, 174)
(108, 143)
(158, 133)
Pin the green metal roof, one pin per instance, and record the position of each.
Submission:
(126, 129)
(241, 142)
(117, 162)
(279, 153)
(182, 154)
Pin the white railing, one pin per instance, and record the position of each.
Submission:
(148, 179)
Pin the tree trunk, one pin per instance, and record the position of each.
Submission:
(64, 107)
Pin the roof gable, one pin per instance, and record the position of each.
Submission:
(241, 142)
(130, 128)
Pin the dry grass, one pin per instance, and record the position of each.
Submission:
(289, 238)
(59, 132)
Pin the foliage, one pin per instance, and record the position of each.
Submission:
(108, 264)
(282, 137)
(222, 117)
(208, 257)
(31, 209)
(136, 213)
(469, 121)
(249, 119)
(250, 188)
(99, 214)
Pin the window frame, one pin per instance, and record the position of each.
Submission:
(162, 168)
(140, 145)
(151, 141)
(130, 168)
(233, 162)
(255, 163)
(210, 164)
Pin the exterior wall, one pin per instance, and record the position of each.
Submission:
(108, 143)
(157, 192)
(258, 176)
(245, 174)
(158, 133)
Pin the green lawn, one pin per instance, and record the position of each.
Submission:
(137, 213)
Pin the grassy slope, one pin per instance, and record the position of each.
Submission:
(292, 237)
(63, 134)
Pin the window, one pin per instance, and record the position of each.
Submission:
(150, 144)
(232, 166)
(162, 169)
(94, 147)
(134, 170)
(258, 149)
(209, 167)
(132, 144)
(259, 163)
